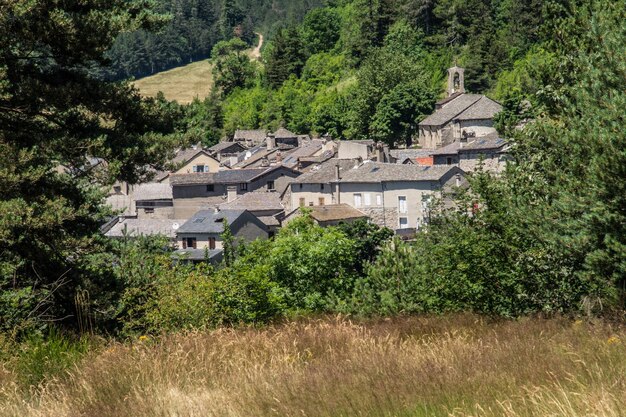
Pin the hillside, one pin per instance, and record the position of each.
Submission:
(181, 84)
(184, 83)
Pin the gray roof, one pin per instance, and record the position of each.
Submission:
(451, 110)
(152, 191)
(269, 220)
(325, 173)
(451, 149)
(145, 227)
(231, 176)
(214, 255)
(185, 155)
(210, 221)
(335, 212)
(402, 154)
(283, 133)
(484, 144)
(256, 136)
(483, 109)
(303, 151)
(257, 200)
(218, 147)
(382, 172)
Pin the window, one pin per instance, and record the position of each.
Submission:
(302, 202)
(404, 223)
(368, 199)
(310, 204)
(148, 210)
(189, 242)
(243, 186)
(211, 243)
(270, 185)
(200, 168)
(300, 185)
(210, 188)
(402, 208)
(357, 200)
(379, 200)
(321, 201)
(448, 161)
(322, 187)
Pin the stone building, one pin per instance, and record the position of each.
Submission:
(397, 196)
(460, 115)
(193, 192)
(490, 151)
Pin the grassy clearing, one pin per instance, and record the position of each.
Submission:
(453, 366)
(182, 84)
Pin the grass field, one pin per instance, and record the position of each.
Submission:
(181, 84)
(457, 366)
(185, 83)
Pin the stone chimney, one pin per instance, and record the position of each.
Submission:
(456, 80)
(270, 141)
(231, 192)
(380, 152)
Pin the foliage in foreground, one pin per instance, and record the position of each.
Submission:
(459, 365)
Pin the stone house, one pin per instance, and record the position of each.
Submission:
(201, 235)
(193, 192)
(266, 206)
(223, 150)
(491, 151)
(318, 187)
(250, 138)
(457, 116)
(397, 196)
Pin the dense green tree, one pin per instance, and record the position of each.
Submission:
(232, 67)
(63, 135)
(320, 30)
(285, 56)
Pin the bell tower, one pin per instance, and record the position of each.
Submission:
(456, 80)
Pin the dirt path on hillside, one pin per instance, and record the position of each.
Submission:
(256, 52)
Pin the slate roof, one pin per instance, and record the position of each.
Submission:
(448, 99)
(214, 255)
(145, 227)
(403, 154)
(326, 172)
(256, 200)
(218, 147)
(210, 221)
(451, 149)
(484, 144)
(373, 172)
(485, 108)
(152, 191)
(291, 159)
(335, 212)
(231, 176)
(256, 136)
(283, 133)
(269, 220)
(450, 110)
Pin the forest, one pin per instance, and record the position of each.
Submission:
(548, 237)
(190, 29)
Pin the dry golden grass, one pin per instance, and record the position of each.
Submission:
(453, 366)
(182, 84)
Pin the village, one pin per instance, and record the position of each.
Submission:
(258, 181)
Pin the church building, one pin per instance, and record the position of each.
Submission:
(459, 116)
